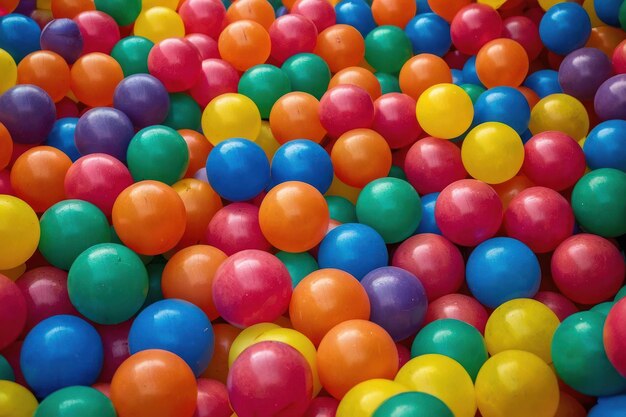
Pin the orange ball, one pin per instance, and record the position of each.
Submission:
(260, 11)
(70, 8)
(7, 6)
(355, 351)
(393, 12)
(605, 38)
(244, 44)
(188, 275)
(94, 78)
(422, 72)
(502, 62)
(531, 97)
(6, 147)
(199, 148)
(154, 383)
(341, 46)
(509, 189)
(149, 217)
(201, 203)
(360, 77)
(295, 116)
(360, 156)
(224, 335)
(324, 299)
(447, 8)
(569, 407)
(46, 70)
(38, 176)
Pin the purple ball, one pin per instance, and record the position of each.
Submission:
(26, 7)
(63, 37)
(583, 71)
(201, 175)
(143, 98)
(28, 113)
(610, 101)
(398, 301)
(104, 130)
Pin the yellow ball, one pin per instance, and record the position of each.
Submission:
(19, 232)
(445, 111)
(159, 23)
(560, 112)
(341, 189)
(522, 324)
(14, 273)
(515, 383)
(442, 377)
(16, 401)
(266, 140)
(493, 3)
(363, 399)
(492, 152)
(247, 338)
(8, 71)
(170, 4)
(229, 116)
(590, 7)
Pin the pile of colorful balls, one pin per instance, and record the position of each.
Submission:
(312, 208)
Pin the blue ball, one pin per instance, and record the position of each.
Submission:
(178, 327)
(564, 28)
(62, 137)
(505, 105)
(469, 72)
(501, 269)
(428, 224)
(302, 160)
(608, 11)
(238, 169)
(609, 407)
(605, 146)
(60, 352)
(355, 248)
(544, 83)
(526, 135)
(457, 76)
(19, 35)
(429, 34)
(423, 6)
(356, 13)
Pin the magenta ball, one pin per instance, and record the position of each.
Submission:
(97, 178)
(212, 399)
(115, 347)
(473, 26)
(176, 63)
(206, 46)
(460, 307)
(558, 303)
(216, 78)
(539, 217)
(320, 12)
(45, 292)
(100, 32)
(292, 34)
(345, 107)
(322, 407)
(251, 287)
(235, 228)
(432, 164)
(5, 182)
(270, 379)
(588, 269)
(468, 212)
(615, 336)
(394, 119)
(525, 32)
(13, 311)
(610, 99)
(203, 16)
(434, 260)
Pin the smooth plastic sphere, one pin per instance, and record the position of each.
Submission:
(305, 161)
(176, 63)
(444, 111)
(94, 78)
(524, 31)
(78, 400)
(505, 105)
(610, 98)
(264, 84)
(364, 398)
(143, 99)
(132, 54)
(231, 116)
(387, 48)
(564, 28)
(9, 71)
(473, 26)
(99, 31)
(19, 232)
(560, 112)
(613, 336)
(14, 311)
(290, 35)
(395, 119)
(502, 62)
(46, 70)
(348, 51)
(605, 147)
(17, 400)
(62, 137)
(19, 35)
(203, 16)
(413, 404)
(460, 307)
(344, 108)
(429, 34)
(104, 130)
(295, 116)
(583, 71)
(236, 227)
(28, 113)
(244, 44)
(158, 24)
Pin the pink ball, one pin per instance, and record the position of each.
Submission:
(206, 46)
(394, 119)
(434, 260)
(468, 212)
(5, 182)
(291, 34)
(176, 63)
(97, 178)
(100, 32)
(473, 26)
(212, 399)
(524, 31)
(115, 346)
(619, 58)
(322, 407)
(251, 287)
(270, 379)
(587, 269)
(13, 311)
(615, 336)
(216, 78)
(45, 293)
(558, 303)
(345, 107)
(404, 355)
(235, 227)
(103, 387)
(459, 307)
(203, 16)
(320, 12)
(432, 164)
(554, 160)
(539, 217)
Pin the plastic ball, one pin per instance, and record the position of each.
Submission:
(562, 306)
(387, 48)
(235, 228)
(613, 336)
(348, 52)
(9, 71)
(246, 338)
(16, 400)
(224, 334)
(299, 265)
(158, 24)
(9, 5)
(583, 71)
(99, 31)
(14, 311)
(619, 58)
(544, 83)
(356, 13)
(560, 112)
(184, 113)
(295, 116)
(19, 231)
(321, 13)
(365, 398)
(564, 28)
(259, 11)
(165, 373)
(603, 147)
(94, 78)
(206, 46)
(132, 54)
(203, 16)
(502, 62)
(421, 72)
(62, 137)
(305, 161)
(212, 399)
(473, 26)
(413, 404)
(104, 130)
(524, 31)
(264, 84)
(143, 99)
(308, 73)
(610, 98)
(434, 109)
(322, 407)
(46, 70)
(429, 34)
(19, 35)
(290, 35)
(178, 74)
(28, 113)
(79, 400)
(359, 77)
(244, 44)
(231, 116)
(516, 384)
(505, 105)
(609, 407)
(395, 119)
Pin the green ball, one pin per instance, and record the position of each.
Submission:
(341, 209)
(132, 54)
(388, 83)
(70, 227)
(599, 202)
(158, 153)
(391, 206)
(397, 172)
(299, 265)
(6, 371)
(184, 113)
(603, 308)
(77, 401)
(155, 272)
(455, 339)
(579, 358)
(473, 90)
(620, 294)
(387, 48)
(622, 15)
(413, 404)
(124, 12)
(264, 84)
(108, 283)
(308, 73)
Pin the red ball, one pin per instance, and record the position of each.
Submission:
(587, 269)
(619, 58)
(468, 212)
(459, 307)
(13, 311)
(203, 16)
(432, 164)
(558, 303)
(473, 26)
(322, 407)
(394, 119)
(456, 59)
(176, 63)
(212, 399)
(115, 346)
(5, 182)
(524, 31)
(292, 34)
(66, 108)
(320, 12)
(235, 228)
(217, 77)
(615, 336)
(100, 32)
(206, 46)
(345, 107)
